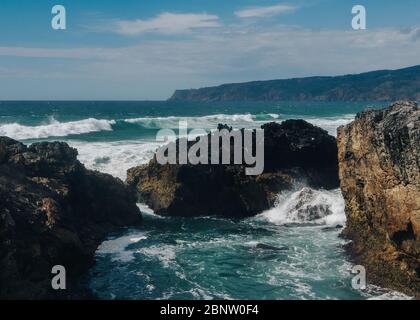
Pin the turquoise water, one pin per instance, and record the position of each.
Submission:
(279, 254)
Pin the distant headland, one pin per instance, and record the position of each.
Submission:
(383, 85)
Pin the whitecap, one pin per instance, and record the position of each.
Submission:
(201, 122)
(246, 120)
(55, 128)
(331, 124)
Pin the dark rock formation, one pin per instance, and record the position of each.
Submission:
(383, 85)
(295, 151)
(380, 181)
(53, 212)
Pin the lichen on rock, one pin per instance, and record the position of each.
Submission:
(379, 169)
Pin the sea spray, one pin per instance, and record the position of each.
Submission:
(308, 206)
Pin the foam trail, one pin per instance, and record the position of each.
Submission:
(55, 128)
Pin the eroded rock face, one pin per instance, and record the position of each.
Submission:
(53, 212)
(380, 180)
(294, 151)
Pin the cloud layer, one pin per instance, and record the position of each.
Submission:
(167, 23)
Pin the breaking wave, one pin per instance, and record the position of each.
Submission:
(237, 121)
(204, 122)
(114, 157)
(55, 128)
(308, 206)
(331, 123)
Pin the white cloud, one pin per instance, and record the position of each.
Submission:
(151, 69)
(167, 23)
(257, 12)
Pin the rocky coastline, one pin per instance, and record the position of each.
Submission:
(53, 212)
(56, 212)
(380, 181)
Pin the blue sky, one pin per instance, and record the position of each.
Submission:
(128, 50)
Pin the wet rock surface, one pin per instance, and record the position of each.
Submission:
(53, 211)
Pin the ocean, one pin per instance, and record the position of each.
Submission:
(204, 257)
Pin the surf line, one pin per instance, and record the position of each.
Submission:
(193, 147)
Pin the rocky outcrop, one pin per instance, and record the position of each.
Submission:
(53, 212)
(380, 181)
(295, 151)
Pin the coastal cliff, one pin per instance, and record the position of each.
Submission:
(53, 212)
(379, 170)
(294, 151)
(383, 85)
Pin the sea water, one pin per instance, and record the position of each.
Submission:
(282, 253)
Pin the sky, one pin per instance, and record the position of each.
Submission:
(144, 49)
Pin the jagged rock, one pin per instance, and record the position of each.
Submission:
(380, 181)
(294, 151)
(53, 212)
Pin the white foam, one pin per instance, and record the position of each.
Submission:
(393, 295)
(147, 211)
(144, 208)
(164, 253)
(117, 247)
(239, 121)
(204, 122)
(286, 209)
(331, 124)
(377, 293)
(114, 157)
(55, 128)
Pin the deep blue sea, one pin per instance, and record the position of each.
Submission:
(206, 257)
